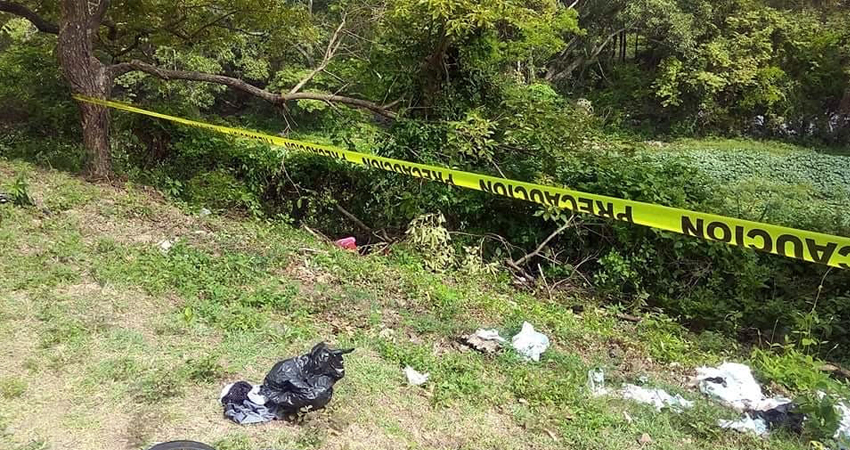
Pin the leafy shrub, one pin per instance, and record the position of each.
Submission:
(792, 369)
(19, 192)
(427, 234)
(219, 190)
(822, 418)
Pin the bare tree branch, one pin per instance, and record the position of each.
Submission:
(210, 24)
(554, 75)
(353, 218)
(546, 241)
(22, 11)
(99, 10)
(333, 46)
(242, 86)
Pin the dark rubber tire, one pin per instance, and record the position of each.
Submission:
(181, 445)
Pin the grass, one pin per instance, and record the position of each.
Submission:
(112, 343)
(768, 181)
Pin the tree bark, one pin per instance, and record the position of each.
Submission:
(87, 76)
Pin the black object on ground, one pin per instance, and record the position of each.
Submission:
(783, 416)
(238, 393)
(181, 445)
(304, 382)
(240, 407)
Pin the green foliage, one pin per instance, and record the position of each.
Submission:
(157, 385)
(792, 369)
(427, 234)
(11, 388)
(822, 418)
(19, 192)
(204, 369)
(220, 191)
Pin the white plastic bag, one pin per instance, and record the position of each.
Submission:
(529, 343)
(415, 378)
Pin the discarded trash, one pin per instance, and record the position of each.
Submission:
(487, 341)
(415, 378)
(529, 343)
(596, 382)
(204, 212)
(732, 383)
(843, 431)
(4, 198)
(656, 397)
(645, 439)
(745, 424)
(165, 246)
(348, 243)
(305, 381)
(782, 416)
(244, 408)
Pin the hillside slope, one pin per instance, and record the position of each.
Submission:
(111, 342)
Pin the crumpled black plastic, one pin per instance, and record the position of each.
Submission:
(305, 381)
(783, 416)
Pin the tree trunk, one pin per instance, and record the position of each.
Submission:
(87, 76)
(95, 122)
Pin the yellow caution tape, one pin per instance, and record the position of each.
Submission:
(789, 242)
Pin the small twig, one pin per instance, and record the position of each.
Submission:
(543, 277)
(316, 234)
(546, 241)
(628, 317)
(333, 46)
(312, 250)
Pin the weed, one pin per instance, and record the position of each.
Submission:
(19, 192)
(822, 417)
(12, 387)
(792, 369)
(157, 385)
(311, 438)
(117, 369)
(234, 441)
(204, 369)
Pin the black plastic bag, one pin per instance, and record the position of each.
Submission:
(304, 381)
(785, 416)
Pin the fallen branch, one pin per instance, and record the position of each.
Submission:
(353, 218)
(316, 234)
(546, 241)
(510, 263)
(836, 370)
(628, 317)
